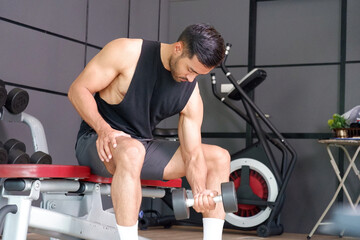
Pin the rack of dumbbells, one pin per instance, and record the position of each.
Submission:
(13, 151)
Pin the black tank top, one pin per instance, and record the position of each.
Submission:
(153, 95)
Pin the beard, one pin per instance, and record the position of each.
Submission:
(173, 69)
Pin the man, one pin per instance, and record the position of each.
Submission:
(137, 83)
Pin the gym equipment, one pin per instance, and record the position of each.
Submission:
(260, 178)
(155, 219)
(40, 157)
(71, 202)
(71, 198)
(3, 154)
(36, 128)
(17, 100)
(181, 202)
(16, 152)
(3, 93)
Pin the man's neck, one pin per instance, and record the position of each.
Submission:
(165, 54)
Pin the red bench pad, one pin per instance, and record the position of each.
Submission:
(43, 171)
(68, 171)
(176, 183)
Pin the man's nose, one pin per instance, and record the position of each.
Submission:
(191, 77)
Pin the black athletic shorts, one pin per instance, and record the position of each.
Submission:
(158, 154)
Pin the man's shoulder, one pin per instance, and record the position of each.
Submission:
(125, 44)
(123, 50)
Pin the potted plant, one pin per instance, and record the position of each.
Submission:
(339, 125)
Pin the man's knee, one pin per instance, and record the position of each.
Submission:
(220, 160)
(129, 154)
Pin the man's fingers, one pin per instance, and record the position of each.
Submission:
(107, 151)
(211, 202)
(101, 154)
(101, 150)
(98, 150)
(114, 143)
(204, 202)
(105, 142)
(199, 203)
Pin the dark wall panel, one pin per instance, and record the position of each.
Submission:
(66, 17)
(108, 20)
(164, 21)
(352, 96)
(230, 18)
(38, 60)
(300, 99)
(144, 21)
(353, 31)
(291, 32)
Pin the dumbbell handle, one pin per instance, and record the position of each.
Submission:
(190, 201)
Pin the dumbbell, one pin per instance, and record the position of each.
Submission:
(3, 93)
(16, 152)
(40, 157)
(17, 100)
(181, 202)
(3, 154)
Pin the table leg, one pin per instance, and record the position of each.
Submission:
(341, 185)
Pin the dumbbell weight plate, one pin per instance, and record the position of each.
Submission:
(16, 152)
(40, 157)
(229, 197)
(18, 157)
(17, 100)
(181, 211)
(14, 144)
(3, 154)
(3, 93)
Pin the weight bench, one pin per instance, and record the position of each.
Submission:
(71, 205)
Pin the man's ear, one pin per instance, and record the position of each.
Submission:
(179, 48)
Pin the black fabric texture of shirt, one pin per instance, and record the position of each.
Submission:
(153, 95)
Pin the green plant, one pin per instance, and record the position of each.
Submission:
(337, 121)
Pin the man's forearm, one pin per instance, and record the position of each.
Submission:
(196, 173)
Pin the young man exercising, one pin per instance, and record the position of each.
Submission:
(138, 83)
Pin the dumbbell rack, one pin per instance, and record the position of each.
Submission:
(36, 128)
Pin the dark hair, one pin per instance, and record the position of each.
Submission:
(205, 42)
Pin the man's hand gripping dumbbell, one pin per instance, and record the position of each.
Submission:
(181, 202)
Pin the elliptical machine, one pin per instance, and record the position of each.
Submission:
(260, 180)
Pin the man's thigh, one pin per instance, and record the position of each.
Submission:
(158, 154)
(87, 155)
(176, 166)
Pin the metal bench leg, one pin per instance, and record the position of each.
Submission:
(16, 225)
